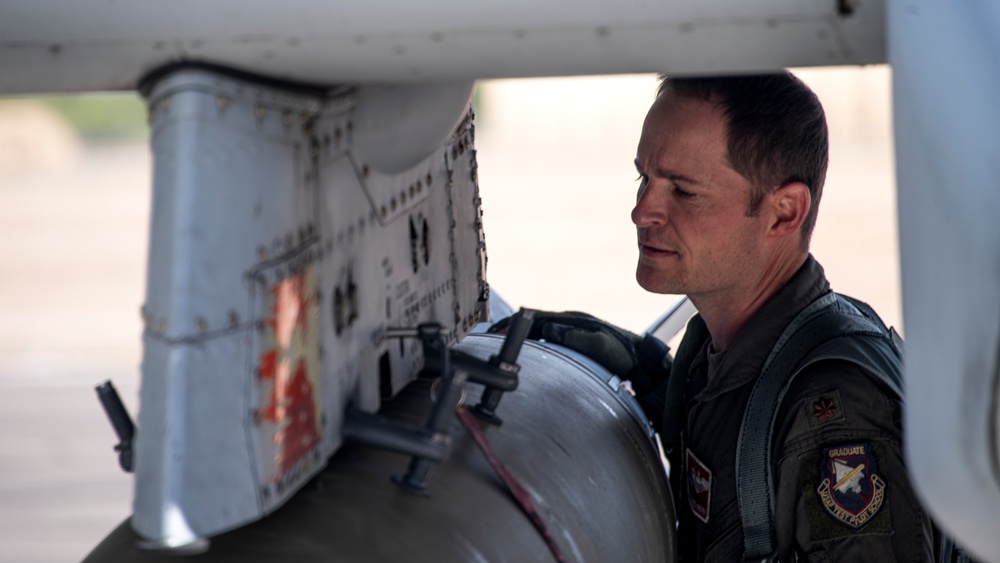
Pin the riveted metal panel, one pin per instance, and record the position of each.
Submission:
(277, 261)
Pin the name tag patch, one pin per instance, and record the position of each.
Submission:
(850, 488)
(699, 487)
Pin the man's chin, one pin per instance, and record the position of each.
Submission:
(658, 283)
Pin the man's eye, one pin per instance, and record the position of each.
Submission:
(683, 194)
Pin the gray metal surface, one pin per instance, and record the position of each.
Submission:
(586, 461)
(279, 255)
(673, 320)
(947, 129)
(80, 45)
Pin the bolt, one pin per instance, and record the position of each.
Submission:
(430, 179)
(392, 204)
(413, 189)
(385, 212)
(402, 198)
(365, 171)
(202, 325)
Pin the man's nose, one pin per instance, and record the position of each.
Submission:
(650, 209)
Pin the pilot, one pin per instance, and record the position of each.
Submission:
(731, 172)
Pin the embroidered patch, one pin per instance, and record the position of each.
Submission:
(699, 487)
(824, 408)
(850, 488)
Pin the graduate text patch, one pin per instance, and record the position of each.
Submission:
(850, 488)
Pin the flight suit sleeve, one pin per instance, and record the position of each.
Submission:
(842, 490)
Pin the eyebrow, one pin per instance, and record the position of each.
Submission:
(668, 174)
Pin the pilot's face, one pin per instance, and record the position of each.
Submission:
(695, 237)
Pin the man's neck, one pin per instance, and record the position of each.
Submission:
(726, 314)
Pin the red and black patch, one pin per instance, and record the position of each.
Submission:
(850, 487)
(699, 487)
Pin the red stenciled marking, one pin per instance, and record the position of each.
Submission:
(291, 405)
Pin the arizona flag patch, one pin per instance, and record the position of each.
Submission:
(850, 487)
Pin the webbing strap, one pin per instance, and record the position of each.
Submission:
(816, 334)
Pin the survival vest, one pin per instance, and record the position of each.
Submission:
(833, 327)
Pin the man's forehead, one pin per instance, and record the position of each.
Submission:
(685, 139)
(680, 124)
(679, 109)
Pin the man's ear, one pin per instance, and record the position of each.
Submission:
(789, 206)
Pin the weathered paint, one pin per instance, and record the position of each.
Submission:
(290, 368)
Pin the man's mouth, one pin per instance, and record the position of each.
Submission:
(647, 249)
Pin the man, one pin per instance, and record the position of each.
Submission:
(731, 173)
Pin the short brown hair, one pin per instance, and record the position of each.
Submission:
(776, 132)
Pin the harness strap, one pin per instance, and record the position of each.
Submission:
(833, 327)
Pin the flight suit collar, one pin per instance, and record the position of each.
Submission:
(742, 361)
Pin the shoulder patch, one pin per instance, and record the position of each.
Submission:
(824, 408)
(850, 487)
(699, 486)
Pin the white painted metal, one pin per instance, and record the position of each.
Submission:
(81, 45)
(673, 320)
(278, 257)
(945, 80)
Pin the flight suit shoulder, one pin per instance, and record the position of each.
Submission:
(841, 484)
(835, 400)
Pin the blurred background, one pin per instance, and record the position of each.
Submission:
(557, 183)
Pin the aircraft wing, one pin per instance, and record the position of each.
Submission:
(89, 45)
